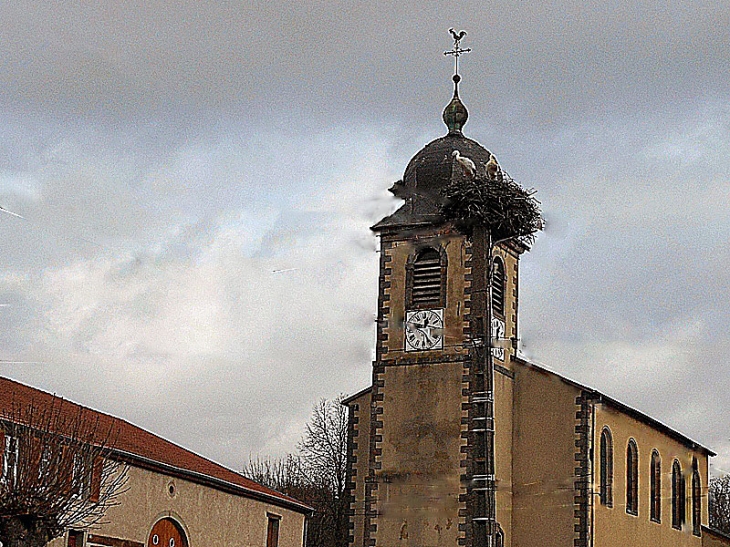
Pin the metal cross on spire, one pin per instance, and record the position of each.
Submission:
(457, 51)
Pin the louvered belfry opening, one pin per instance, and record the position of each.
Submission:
(498, 283)
(426, 287)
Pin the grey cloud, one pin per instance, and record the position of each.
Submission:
(169, 156)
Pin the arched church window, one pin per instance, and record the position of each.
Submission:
(656, 487)
(606, 471)
(632, 478)
(677, 496)
(696, 500)
(498, 286)
(426, 279)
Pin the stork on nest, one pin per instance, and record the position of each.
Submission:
(497, 203)
(466, 164)
(492, 167)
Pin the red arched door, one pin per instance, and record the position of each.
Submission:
(167, 533)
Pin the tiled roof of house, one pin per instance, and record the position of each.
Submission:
(140, 447)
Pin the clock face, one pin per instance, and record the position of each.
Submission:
(424, 330)
(497, 338)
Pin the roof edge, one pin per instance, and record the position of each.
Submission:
(282, 500)
(622, 407)
(715, 531)
(347, 400)
(166, 467)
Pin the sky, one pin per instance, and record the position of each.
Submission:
(197, 180)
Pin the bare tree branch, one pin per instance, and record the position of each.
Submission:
(56, 471)
(316, 475)
(719, 502)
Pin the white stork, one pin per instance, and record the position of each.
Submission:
(466, 164)
(492, 166)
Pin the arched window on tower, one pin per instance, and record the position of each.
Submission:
(426, 279)
(498, 286)
(656, 487)
(696, 499)
(677, 496)
(606, 471)
(632, 478)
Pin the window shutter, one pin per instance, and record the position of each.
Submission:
(498, 286)
(426, 279)
(96, 472)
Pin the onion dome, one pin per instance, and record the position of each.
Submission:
(430, 170)
(455, 113)
(433, 168)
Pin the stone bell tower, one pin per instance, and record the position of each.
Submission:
(430, 458)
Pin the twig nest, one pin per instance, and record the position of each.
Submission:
(494, 202)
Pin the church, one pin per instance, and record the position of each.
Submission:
(459, 440)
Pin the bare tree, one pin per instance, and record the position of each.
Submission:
(316, 475)
(56, 471)
(282, 474)
(323, 451)
(719, 502)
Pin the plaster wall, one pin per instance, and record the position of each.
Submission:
(208, 516)
(397, 251)
(361, 453)
(503, 425)
(544, 462)
(419, 475)
(613, 525)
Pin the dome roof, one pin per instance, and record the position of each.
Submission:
(430, 169)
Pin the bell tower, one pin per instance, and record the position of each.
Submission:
(429, 466)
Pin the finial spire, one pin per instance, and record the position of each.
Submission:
(455, 113)
(456, 52)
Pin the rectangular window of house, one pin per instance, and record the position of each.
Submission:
(272, 533)
(80, 477)
(75, 539)
(10, 459)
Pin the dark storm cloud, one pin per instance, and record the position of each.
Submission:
(544, 61)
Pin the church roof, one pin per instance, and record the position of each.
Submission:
(141, 448)
(623, 408)
(600, 398)
(430, 171)
(425, 177)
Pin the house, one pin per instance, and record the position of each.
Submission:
(171, 496)
(461, 441)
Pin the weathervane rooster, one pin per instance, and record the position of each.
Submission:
(457, 37)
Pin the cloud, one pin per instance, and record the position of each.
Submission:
(169, 159)
(263, 306)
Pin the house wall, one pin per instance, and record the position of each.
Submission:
(613, 525)
(208, 516)
(543, 456)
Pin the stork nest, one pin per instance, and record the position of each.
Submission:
(498, 204)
